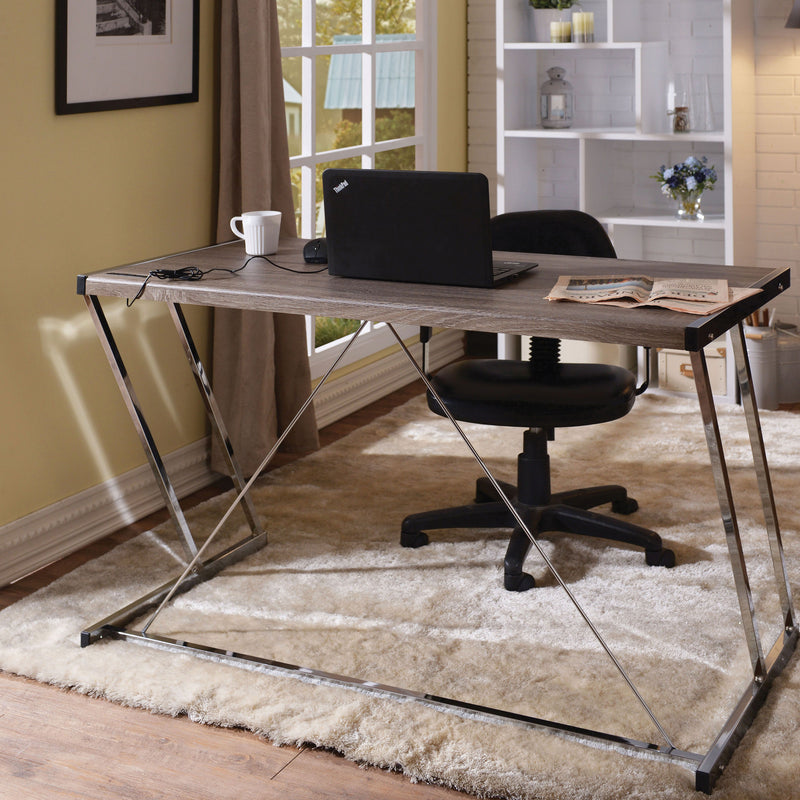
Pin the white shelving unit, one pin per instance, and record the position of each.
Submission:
(622, 132)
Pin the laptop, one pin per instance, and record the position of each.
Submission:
(412, 226)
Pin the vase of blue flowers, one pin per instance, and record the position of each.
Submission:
(685, 183)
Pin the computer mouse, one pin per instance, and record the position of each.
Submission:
(316, 251)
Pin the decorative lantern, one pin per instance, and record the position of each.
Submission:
(556, 100)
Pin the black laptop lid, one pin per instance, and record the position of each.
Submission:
(421, 227)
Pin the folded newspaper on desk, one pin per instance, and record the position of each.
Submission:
(690, 295)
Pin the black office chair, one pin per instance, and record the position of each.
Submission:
(540, 394)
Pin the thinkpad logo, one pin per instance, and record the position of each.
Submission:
(339, 187)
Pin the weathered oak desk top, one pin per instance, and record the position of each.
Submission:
(517, 307)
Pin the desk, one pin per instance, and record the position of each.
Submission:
(516, 308)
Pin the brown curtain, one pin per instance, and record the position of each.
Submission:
(260, 367)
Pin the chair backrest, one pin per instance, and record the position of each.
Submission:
(559, 232)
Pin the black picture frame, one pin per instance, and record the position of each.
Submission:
(105, 63)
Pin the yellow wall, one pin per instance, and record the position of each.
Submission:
(81, 192)
(87, 191)
(451, 90)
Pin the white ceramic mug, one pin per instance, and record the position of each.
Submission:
(260, 231)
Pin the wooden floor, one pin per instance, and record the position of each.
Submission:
(56, 744)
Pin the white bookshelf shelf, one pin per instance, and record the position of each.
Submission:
(621, 131)
(560, 46)
(622, 134)
(654, 217)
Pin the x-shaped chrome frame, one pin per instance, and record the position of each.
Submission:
(706, 766)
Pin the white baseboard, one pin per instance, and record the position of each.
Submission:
(354, 390)
(39, 539)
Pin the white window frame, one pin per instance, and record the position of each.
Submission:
(375, 337)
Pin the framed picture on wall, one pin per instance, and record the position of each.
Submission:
(114, 54)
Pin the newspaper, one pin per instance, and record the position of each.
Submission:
(689, 295)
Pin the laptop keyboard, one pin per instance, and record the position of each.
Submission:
(500, 268)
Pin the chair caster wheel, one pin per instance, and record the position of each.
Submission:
(414, 539)
(518, 583)
(484, 491)
(660, 558)
(626, 506)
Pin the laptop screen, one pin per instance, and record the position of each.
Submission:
(416, 226)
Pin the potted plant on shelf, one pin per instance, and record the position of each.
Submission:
(543, 12)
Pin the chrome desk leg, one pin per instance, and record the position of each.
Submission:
(142, 428)
(198, 570)
(729, 521)
(764, 481)
(765, 669)
(214, 415)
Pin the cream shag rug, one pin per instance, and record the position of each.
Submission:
(335, 591)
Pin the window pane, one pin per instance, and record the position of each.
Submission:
(290, 22)
(342, 97)
(338, 84)
(336, 17)
(340, 74)
(292, 88)
(297, 196)
(330, 329)
(394, 92)
(404, 158)
(393, 123)
(396, 16)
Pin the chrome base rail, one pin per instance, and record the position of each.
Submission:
(706, 767)
(723, 747)
(202, 572)
(461, 708)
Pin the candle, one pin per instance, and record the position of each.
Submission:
(560, 31)
(577, 26)
(583, 26)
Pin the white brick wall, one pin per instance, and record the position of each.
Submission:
(694, 28)
(481, 89)
(777, 125)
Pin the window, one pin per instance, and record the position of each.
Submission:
(359, 93)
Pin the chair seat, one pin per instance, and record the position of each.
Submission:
(507, 393)
(540, 394)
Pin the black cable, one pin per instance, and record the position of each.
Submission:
(289, 269)
(196, 274)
